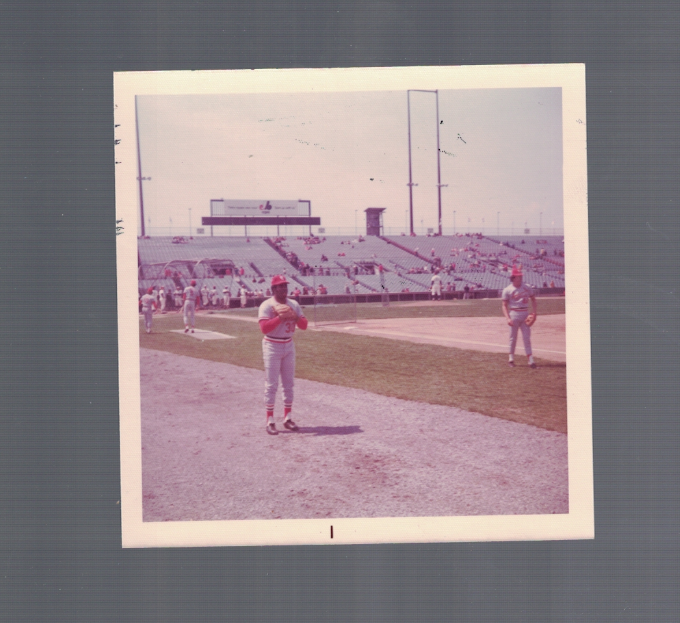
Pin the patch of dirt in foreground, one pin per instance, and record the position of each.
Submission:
(206, 456)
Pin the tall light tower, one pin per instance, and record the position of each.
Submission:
(139, 170)
(410, 176)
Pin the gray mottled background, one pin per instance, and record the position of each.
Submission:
(60, 554)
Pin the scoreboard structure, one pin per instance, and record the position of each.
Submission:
(260, 212)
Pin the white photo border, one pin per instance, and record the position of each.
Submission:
(577, 524)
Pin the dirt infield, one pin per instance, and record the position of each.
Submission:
(206, 455)
(485, 334)
(548, 336)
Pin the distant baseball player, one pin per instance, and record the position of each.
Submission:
(213, 296)
(227, 295)
(244, 297)
(178, 298)
(191, 298)
(278, 317)
(204, 295)
(436, 286)
(148, 307)
(516, 299)
(162, 296)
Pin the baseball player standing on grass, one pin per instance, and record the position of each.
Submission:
(148, 307)
(516, 299)
(436, 286)
(161, 295)
(191, 298)
(278, 317)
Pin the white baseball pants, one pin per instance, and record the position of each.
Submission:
(279, 360)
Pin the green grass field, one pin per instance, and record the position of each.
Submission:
(471, 380)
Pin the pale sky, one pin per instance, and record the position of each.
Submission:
(501, 151)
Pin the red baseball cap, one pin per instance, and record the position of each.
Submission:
(277, 280)
(193, 283)
(516, 272)
(149, 290)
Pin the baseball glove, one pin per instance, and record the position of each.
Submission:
(285, 312)
(531, 318)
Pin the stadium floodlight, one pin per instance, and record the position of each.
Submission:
(410, 177)
(139, 168)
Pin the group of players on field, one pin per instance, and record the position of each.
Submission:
(279, 316)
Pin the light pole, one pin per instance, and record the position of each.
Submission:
(139, 170)
(410, 176)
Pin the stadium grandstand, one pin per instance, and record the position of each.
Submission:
(335, 266)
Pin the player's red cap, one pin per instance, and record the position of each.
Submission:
(149, 290)
(516, 272)
(193, 282)
(277, 280)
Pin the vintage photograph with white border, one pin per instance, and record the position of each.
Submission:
(436, 165)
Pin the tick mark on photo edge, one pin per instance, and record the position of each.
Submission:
(331, 532)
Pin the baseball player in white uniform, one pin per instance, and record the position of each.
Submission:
(278, 317)
(162, 296)
(213, 296)
(148, 307)
(204, 295)
(191, 298)
(516, 298)
(226, 296)
(436, 286)
(178, 298)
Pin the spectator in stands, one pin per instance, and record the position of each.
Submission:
(552, 284)
(296, 293)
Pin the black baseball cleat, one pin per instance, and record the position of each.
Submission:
(511, 364)
(271, 429)
(290, 425)
(186, 330)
